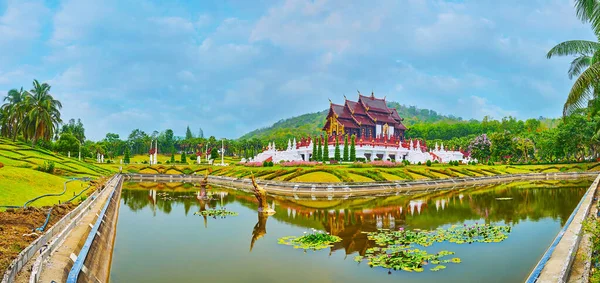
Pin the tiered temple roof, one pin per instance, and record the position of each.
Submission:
(368, 111)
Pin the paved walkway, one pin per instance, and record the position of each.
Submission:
(54, 267)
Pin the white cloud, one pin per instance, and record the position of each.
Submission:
(478, 107)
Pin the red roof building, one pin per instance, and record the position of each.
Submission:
(370, 117)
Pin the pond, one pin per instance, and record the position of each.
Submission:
(161, 239)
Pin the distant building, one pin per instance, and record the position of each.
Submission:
(368, 118)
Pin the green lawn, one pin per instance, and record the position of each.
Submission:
(21, 181)
(18, 185)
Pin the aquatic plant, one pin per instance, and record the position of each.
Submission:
(395, 249)
(221, 212)
(314, 240)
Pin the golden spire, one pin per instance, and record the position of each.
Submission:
(372, 94)
(330, 101)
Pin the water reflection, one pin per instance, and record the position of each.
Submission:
(260, 229)
(347, 218)
(165, 212)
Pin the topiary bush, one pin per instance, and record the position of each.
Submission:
(428, 163)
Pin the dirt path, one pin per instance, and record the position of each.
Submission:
(80, 231)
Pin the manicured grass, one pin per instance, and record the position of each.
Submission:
(359, 178)
(21, 181)
(322, 177)
(18, 185)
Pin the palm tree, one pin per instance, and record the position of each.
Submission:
(43, 113)
(13, 112)
(586, 66)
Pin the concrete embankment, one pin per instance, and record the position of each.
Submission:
(355, 189)
(556, 264)
(49, 241)
(56, 257)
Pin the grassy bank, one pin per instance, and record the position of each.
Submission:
(22, 179)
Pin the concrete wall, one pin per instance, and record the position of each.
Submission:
(556, 263)
(99, 257)
(96, 266)
(47, 242)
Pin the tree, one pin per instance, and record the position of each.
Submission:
(67, 143)
(336, 155)
(126, 156)
(214, 153)
(480, 148)
(201, 133)
(172, 157)
(76, 129)
(346, 157)
(502, 146)
(183, 157)
(43, 113)
(13, 113)
(325, 150)
(319, 150)
(188, 134)
(314, 150)
(353, 149)
(139, 141)
(113, 143)
(586, 66)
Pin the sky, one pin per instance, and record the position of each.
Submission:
(230, 67)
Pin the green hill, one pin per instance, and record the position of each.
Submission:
(312, 123)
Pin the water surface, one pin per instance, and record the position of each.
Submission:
(159, 239)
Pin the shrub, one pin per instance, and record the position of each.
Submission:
(167, 162)
(436, 161)
(252, 164)
(337, 153)
(126, 158)
(428, 163)
(359, 159)
(270, 163)
(353, 149)
(419, 163)
(360, 165)
(387, 164)
(47, 167)
(265, 164)
(325, 150)
(214, 153)
(346, 156)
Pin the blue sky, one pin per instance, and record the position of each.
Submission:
(233, 66)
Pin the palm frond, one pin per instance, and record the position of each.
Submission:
(578, 65)
(584, 9)
(582, 90)
(574, 47)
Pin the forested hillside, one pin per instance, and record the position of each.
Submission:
(312, 123)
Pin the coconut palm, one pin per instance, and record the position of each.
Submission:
(13, 112)
(43, 113)
(586, 66)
